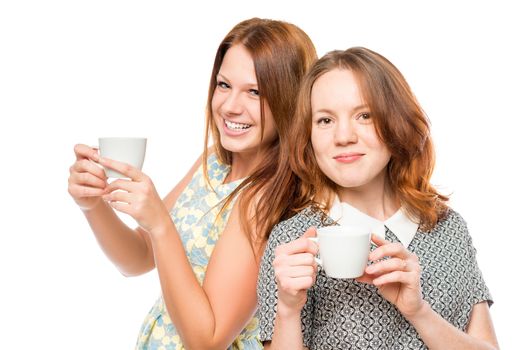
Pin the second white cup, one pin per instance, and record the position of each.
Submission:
(344, 250)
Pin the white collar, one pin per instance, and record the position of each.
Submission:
(399, 223)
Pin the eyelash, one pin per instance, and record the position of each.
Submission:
(361, 115)
(326, 120)
(323, 121)
(223, 85)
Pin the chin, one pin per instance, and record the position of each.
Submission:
(234, 147)
(348, 183)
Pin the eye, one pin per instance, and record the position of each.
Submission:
(254, 92)
(223, 85)
(323, 121)
(364, 117)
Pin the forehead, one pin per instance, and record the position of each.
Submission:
(238, 64)
(336, 89)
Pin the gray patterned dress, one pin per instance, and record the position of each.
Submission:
(345, 314)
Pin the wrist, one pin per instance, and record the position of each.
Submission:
(95, 204)
(422, 312)
(287, 312)
(162, 229)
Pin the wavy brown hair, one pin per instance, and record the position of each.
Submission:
(282, 54)
(400, 123)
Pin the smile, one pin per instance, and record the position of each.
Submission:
(236, 126)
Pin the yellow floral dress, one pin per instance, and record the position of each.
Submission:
(195, 217)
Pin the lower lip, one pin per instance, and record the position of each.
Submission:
(348, 159)
(231, 132)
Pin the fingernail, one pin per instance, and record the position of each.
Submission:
(95, 156)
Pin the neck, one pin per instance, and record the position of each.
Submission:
(241, 166)
(374, 199)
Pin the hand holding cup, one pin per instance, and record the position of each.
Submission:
(87, 180)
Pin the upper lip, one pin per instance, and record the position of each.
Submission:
(348, 154)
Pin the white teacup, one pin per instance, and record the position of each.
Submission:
(344, 250)
(130, 150)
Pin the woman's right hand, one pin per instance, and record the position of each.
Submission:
(87, 180)
(295, 271)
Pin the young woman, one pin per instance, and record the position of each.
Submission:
(363, 150)
(201, 240)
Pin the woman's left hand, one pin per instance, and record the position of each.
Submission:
(397, 278)
(135, 196)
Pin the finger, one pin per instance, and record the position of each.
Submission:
(87, 167)
(300, 245)
(365, 278)
(291, 285)
(119, 196)
(302, 259)
(299, 271)
(378, 241)
(123, 185)
(385, 266)
(84, 151)
(395, 277)
(123, 168)
(310, 232)
(87, 179)
(121, 207)
(79, 191)
(390, 249)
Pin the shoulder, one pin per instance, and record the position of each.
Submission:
(172, 196)
(453, 229)
(451, 223)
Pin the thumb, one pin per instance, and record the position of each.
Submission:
(310, 232)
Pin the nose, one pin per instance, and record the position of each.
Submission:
(232, 104)
(345, 132)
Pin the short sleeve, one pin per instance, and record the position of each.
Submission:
(284, 232)
(478, 290)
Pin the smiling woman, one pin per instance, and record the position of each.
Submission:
(364, 154)
(237, 106)
(202, 242)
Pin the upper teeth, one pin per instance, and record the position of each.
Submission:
(236, 126)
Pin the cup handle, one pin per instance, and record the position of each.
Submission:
(315, 239)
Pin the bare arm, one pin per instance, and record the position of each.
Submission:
(437, 333)
(209, 316)
(398, 281)
(288, 330)
(295, 271)
(129, 249)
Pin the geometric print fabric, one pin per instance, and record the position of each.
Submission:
(345, 314)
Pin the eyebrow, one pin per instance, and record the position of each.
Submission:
(251, 85)
(329, 111)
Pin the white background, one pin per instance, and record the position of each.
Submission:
(71, 71)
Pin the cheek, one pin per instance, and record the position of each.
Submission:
(253, 108)
(382, 155)
(319, 142)
(321, 152)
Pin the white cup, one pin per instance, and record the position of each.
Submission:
(344, 250)
(130, 150)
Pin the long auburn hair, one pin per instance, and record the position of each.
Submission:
(400, 123)
(282, 53)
